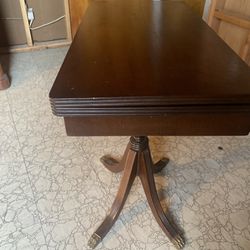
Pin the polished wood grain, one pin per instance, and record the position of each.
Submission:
(168, 124)
(77, 9)
(140, 50)
(116, 166)
(112, 164)
(122, 194)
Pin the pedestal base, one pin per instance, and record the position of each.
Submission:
(136, 161)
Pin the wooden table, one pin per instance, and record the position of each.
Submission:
(140, 67)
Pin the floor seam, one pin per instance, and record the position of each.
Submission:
(26, 167)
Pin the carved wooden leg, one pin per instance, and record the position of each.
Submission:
(117, 166)
(159, 165)
(128, 177)
(112, 164)
(147, 179)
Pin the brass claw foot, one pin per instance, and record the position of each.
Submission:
(94, 240)
(178, 241)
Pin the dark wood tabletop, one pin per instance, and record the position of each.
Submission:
(149, 58)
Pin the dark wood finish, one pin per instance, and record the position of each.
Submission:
(134, 54)
(4, 80)
(116, 166)
(146, 175)
(77, 10)
(159, 165)
(141, 67)
(169, 124)
(112, 164)
(138, 162)
(125, 186)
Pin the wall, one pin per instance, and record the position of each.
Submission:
(12, 30)
(46, 11)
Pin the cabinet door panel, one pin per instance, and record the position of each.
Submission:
(77, 10)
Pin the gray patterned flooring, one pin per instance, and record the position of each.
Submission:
(54, 192)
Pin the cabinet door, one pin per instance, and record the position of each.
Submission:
(77, 10)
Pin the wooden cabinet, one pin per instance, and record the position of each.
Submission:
(231, 20)
(17, 35)
(77, 9)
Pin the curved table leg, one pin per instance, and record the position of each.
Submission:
(127, 180)
(118, 166)
(148, 183)
(112, 164)
(159, 165)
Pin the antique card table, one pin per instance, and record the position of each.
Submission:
(142, 67)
